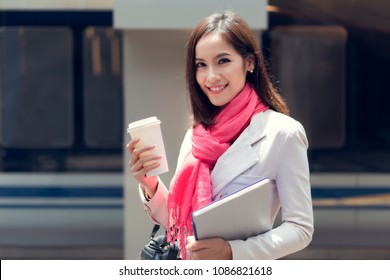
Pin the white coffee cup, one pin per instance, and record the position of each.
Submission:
(149, 132)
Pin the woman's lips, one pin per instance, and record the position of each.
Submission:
(216, 89)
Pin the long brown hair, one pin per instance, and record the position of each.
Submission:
(236, 32)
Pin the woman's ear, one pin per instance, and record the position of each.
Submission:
(250, 63)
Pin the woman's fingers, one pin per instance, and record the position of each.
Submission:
(144, 164)
(131, 145)
(141, 154)
(142, 160)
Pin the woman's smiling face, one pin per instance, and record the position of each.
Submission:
(220, 69)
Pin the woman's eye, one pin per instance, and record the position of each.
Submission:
(200, 65)
(223, 60)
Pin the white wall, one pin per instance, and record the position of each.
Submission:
(183, 14)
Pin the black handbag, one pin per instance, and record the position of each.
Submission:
(158, 248)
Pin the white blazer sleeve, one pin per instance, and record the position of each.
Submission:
(293, 187)
(156, 208)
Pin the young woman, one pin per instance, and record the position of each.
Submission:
(241, 133)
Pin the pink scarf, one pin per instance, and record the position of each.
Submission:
(191, 186)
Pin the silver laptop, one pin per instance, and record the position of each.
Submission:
(240, 215)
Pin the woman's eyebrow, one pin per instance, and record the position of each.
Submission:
(222, 54)
(216, 57)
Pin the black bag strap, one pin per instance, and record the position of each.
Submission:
(155, 229)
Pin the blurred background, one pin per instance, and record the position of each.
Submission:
(62, 124)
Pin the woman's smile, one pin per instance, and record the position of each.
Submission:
(216, 89)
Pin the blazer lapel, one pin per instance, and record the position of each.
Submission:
(239, 157)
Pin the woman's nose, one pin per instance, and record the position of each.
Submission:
(212, 75)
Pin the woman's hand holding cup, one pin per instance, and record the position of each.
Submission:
(147, 153)
(142, 161)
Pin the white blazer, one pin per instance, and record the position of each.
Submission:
(274, 146)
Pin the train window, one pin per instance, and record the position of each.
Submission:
(333, 74)
(309, 63)
(36, 87)
(60, 92)
(102, 79)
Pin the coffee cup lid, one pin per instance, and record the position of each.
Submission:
(143, 122)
